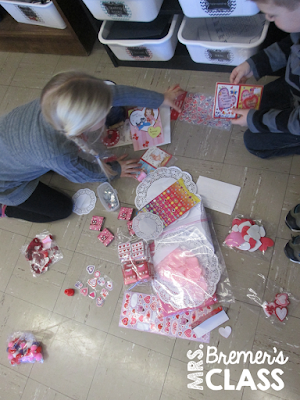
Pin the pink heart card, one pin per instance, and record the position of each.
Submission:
(96, 223)
(106, 237)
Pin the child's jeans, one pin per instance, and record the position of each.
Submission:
(276, 95)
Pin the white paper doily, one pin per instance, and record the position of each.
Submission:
(84, 201)
(159, 180)
(147, 226)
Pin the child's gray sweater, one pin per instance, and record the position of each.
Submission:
(285, 53)
(30, 147)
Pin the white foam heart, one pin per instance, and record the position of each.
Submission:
(244, 246)
(247, 238)
(257, 246)
(235, 228)
(262, 231)
(246, 223)
(225, 332)
(254, 232)
(281, 313)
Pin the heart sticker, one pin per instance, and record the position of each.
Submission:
(84, 291)
(282, 299)
(92, 295)
(147, 299)
(99, 302)
(154, 132)
(92, 282)
(225, 332)
(97, 274)
(281, 313)
(78, 285)
(125, 321)
(90, 269)
(101, 281)
(109, 285)
(104, 293)
(188, 333)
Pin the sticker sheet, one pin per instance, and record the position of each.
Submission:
(229, 96)
(172, 203)
(139, 311)
(145, 127)
(198, 110)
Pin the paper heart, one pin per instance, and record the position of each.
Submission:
(160, 326)
(243, 224)
(281, 313)
(99, 302)
(126, 305)
(257, 246)
(244, 246)
(252, 242)
(125, 321)
(90, 269)
(154, 132)
(127, 296)
(262, 231)
(225, 332)
(254, 232)
(147, 299)
(92, 295)
(282, 299)
(132, 321)
(124, 312)
(97, 274)
(266, 242)
(234, 239)
(84, 291)
(188, 333)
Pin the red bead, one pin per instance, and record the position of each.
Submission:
(70, 292)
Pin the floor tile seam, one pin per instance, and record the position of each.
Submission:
(29, 377)
(88, 255)
(165, 378)
(255, 168)
(18, 372)
(140, 345)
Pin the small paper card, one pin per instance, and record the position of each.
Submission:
(125, 213)
(96, 223)
(156, 157)
(229, 96)
(106, 237)
(145, 127)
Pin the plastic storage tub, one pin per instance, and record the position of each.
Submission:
(213, 8)
(226, 41)
(34, 14)
(108, 197)
(143, 50)
(126, 10)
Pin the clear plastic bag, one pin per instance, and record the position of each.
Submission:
(22, 348)
(188, 271)
(41, 253)
(276, 301)
(247, 234)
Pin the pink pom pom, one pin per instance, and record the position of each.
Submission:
(22, 345)
(10, 356)
(33, 347)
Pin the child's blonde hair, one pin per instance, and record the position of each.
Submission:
(73, 102)
(289, 4)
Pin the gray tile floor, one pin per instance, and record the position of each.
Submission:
(87, 356)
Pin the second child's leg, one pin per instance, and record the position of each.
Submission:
(264, 145)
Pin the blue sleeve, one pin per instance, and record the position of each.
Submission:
(132, 96)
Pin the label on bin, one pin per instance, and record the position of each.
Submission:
(30, 14)
(139, 52)
(218, 7)
(115, 8)
(219, 55)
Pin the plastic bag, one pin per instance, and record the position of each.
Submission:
(188, 272)
(276, 301)
(42, 252)
(248, 235)
(22, 348)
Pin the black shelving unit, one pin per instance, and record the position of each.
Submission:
(181, 59)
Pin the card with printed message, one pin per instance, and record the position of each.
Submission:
(229, 96)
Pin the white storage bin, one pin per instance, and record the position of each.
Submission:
(34, 14)
(227, 41)
(125, 10)
(213, 8)
(143, 50)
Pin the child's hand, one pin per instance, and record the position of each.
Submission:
(170, 96)
(242, 120)
(241, 73)
(129, 168)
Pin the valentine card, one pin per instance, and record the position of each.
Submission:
(156, 157)
(145, 127)
(229, 96)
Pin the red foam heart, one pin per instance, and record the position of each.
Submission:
(252, 243)
(266, 242)
(147, 299)
(244, 230)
